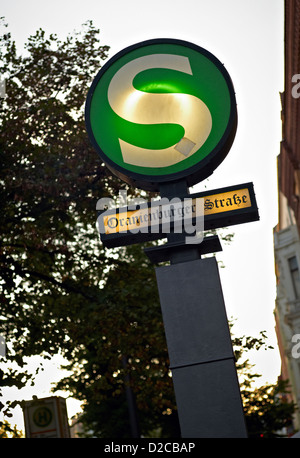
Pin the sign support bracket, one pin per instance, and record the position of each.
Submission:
(176, 250)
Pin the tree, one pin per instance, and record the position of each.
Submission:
(51, 260)
(53, 268)
(8, 431)
(268, 411)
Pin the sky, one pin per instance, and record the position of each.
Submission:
(247, 37)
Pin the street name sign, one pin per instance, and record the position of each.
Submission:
(222, 207)
(160, 111)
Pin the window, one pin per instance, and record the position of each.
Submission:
(294, 269)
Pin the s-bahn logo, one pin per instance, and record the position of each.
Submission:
(162, 110)
(158, 103)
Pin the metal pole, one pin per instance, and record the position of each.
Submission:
(200, 350)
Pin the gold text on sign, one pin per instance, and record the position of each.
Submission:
(128, 220)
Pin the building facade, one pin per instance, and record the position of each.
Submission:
(286, 233)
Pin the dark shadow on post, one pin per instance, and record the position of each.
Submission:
(132, 410)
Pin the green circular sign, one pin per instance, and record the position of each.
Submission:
(161, 111)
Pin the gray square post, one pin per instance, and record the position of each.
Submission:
(200, 350)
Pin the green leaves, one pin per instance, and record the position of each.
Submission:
(51, 179)
(268, 409)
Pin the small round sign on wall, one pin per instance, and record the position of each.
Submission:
(160, 111)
